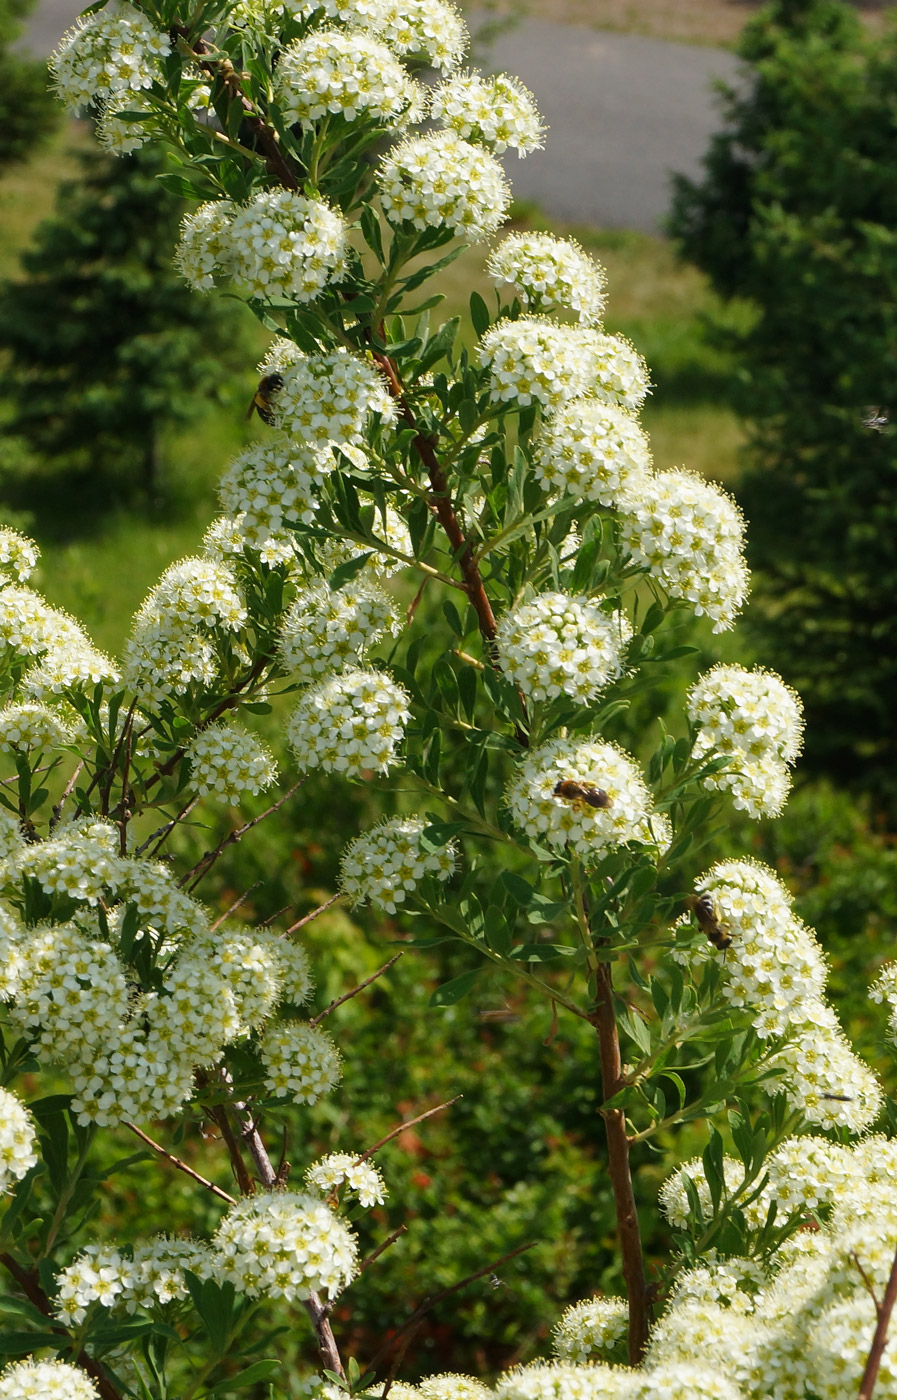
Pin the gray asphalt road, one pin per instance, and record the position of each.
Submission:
(623, 112)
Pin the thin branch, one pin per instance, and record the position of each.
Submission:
(66, 794)
(241, 899)
(381, 1249)
(182, 1166)
(27, 1280)
(880, 1337)
(307, 918)
(410, 1123)
(205, 863)
(430, 1303)
(347, 996)
(272, 918)
(165, 831)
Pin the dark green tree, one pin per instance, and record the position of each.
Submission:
(108, 349)
(797, 214)
(28, 112)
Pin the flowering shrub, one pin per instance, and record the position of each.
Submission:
(516, 484)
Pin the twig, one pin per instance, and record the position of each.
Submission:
(205, 863)
(165, 831)
(605, 1023)
(880, 1337)
(28, 1282)
(182, 1166)
(241, 899)
(272, 918)
(316, 1309)
(381, 1249)
(347, 996)
(66, 794)
(867, 1282)
(411, 1122)
(307, 918)
(429, 1303)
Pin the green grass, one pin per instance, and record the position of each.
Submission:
(657, 302)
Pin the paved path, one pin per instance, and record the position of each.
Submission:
(623, 112)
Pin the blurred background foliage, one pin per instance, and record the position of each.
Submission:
(769, 350)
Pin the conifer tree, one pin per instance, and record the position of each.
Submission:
(107, 348)
(796, 212)
(27, 110)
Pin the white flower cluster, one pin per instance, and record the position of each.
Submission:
(349, 723)
(45, 1380)
(690, 535)
(564, 1380)
(279, 244)
(301, 1061)
(753, 718)
(230, 762)
(558, 644)
(18, 555)
(325, 398)
(17, 1139)
(283, 1244)
(774, 969)
(612, 807)
(550, 273)
(884, 989)
(29, 626)
(592, 1326)
(347, 73)
(117, 136)
(535, 358)
(115, 50)
(429, 31)
(441, 181)
(204, 247)
(619, 373)
(81, 860)
(73, 663)
(594, 452)
(267, 485)
(172, 639)
(802, 1325)
(338, 1169)
(385, 864)
(496, 112)
(32, 725)
(152, 889)
(152, 1275)
(328, 630)
(673, 1195)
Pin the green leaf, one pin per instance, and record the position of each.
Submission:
(215, 1304)
(370, 228)
(479, 314)
(455, 990)
(453, 617)
(23, 1343)
(345, 572)
(258, 1371)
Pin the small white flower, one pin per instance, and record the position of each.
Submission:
(46, 1380)
(591, 1327)
(327, 630)
(593, 451)
(18, 556)
(17, 1140)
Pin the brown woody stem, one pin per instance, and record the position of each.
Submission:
(28, 1282)
(880, 1336)
(181, 1166)
(604, 1020)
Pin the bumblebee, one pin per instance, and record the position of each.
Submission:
(708, 921)
(261, 399)
(572, 791)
